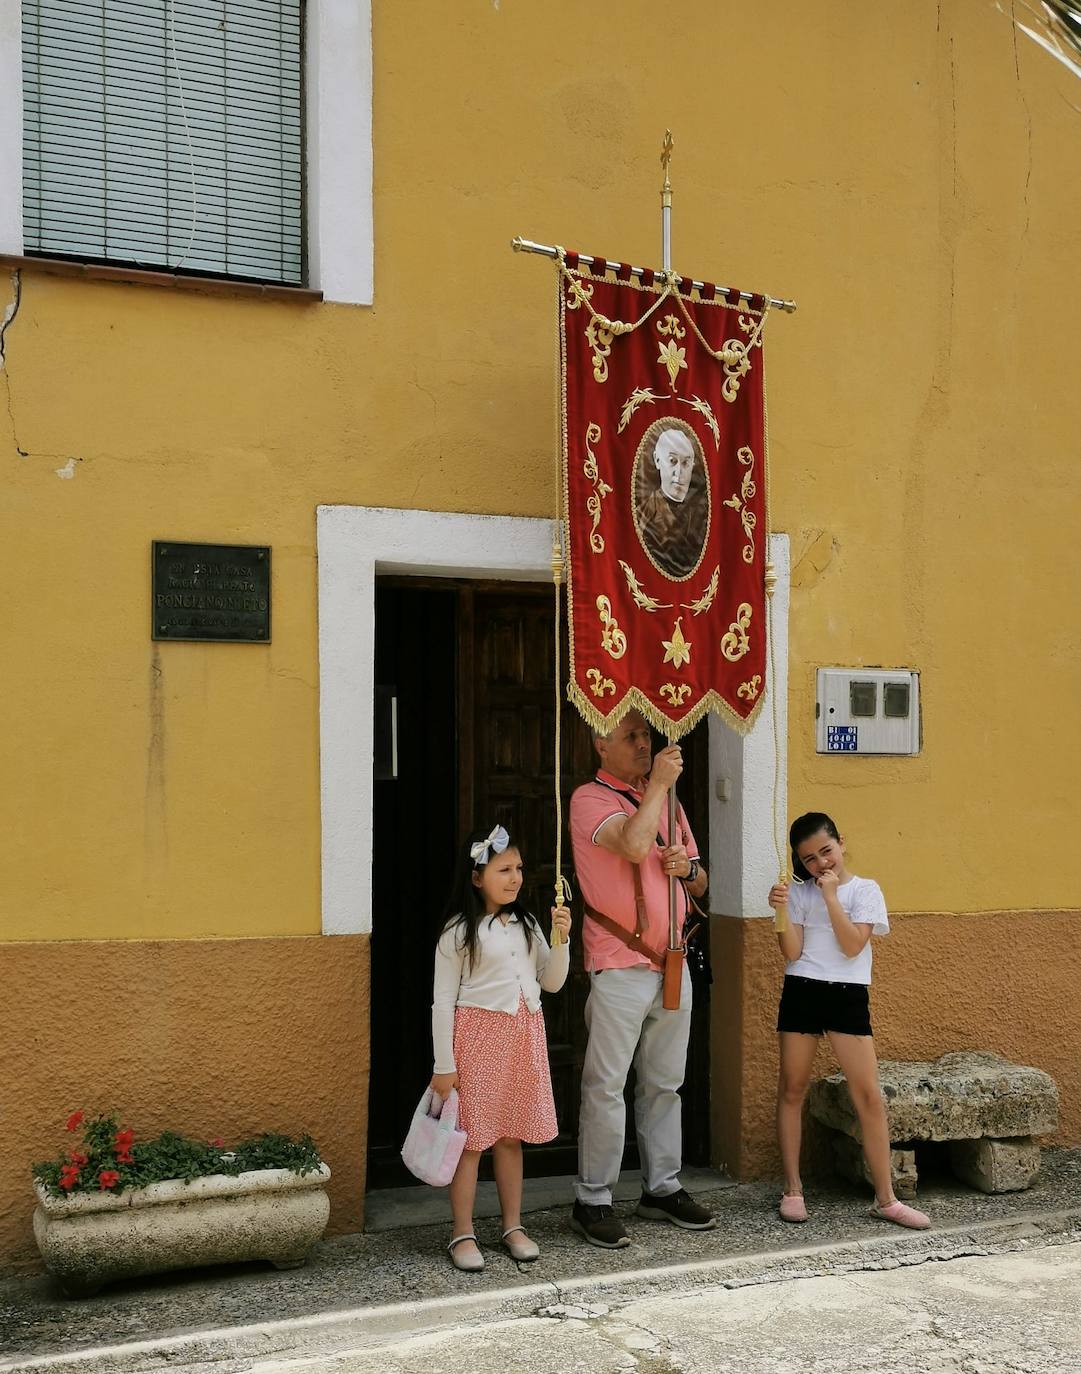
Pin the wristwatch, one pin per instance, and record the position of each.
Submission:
(693, 873)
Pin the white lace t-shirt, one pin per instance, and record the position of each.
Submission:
(862, 901)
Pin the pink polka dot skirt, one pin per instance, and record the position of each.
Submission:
(504, 1086)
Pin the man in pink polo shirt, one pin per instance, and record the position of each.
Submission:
(617, 821)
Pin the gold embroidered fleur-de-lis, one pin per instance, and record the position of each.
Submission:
(676, 695)
(671, 326)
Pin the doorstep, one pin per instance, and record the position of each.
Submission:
(392, 1209)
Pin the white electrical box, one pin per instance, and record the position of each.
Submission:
(867, 711)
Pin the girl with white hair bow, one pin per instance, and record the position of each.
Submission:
(491, 964)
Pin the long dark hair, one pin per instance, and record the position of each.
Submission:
(464, 910)
(803, 827)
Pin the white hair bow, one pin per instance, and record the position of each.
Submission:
(496, 842)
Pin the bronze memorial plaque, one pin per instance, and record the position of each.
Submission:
(210, 591)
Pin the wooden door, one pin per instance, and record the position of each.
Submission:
(472, 670)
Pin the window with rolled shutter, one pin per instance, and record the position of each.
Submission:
(165, 134)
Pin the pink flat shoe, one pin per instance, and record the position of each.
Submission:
(793, 1208)
(902, 1215)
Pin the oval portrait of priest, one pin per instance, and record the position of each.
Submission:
(671, 497)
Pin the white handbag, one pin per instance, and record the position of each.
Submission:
(434, 1144)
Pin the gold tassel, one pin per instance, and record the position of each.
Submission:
(781, 921)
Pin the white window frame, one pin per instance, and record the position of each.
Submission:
(354, 544)
(338, 153)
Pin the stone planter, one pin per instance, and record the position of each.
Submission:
(90, 1239)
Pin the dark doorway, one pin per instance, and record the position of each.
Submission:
(469, 668)
(414, 836)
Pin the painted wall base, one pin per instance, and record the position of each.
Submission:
(202, 1037)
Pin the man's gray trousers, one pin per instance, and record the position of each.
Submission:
(626, 1022)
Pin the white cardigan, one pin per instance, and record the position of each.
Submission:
(505, 970)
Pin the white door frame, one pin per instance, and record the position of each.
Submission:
(354, 544)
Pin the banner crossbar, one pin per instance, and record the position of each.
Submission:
(521, 245)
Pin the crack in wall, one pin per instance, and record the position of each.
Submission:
(1028, 123)
(10, 312)
(5, 324)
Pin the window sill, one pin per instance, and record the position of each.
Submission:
(134, 276)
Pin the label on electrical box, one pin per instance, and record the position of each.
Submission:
(841, 739)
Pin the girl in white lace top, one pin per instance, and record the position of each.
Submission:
(491, 964)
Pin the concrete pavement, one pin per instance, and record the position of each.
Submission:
(996, 1314)
(369, 1291)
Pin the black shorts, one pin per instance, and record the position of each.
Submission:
(810, 1006)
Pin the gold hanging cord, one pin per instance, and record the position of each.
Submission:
(777, 821)
(562, 887)
(562, 892)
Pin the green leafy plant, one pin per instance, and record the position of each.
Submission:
(110, 1159)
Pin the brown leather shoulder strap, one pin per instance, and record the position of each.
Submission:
(639, 901)
(632, 939)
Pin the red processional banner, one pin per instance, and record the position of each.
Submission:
(664, 444)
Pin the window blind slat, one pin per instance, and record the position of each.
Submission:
(199, 58)
(113, 137)
(57, 135)
(75, 177)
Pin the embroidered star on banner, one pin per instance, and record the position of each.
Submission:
(677, 650)
(673, 359)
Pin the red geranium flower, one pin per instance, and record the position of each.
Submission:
(69, 1176)
(78, 1159)
(108, 1178)
(74, 1121)
(217, 1142)
(125, 1158)
(124, 1139)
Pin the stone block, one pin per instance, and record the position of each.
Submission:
(996, 1166)
(848, 1157)
(963, 1096)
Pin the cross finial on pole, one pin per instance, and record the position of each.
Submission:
(666, 162)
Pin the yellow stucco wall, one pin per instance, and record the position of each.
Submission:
(910, 178)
